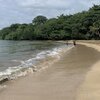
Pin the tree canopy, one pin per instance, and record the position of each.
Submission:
(39, 20)
(83, 25)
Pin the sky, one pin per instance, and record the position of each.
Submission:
(24, 11)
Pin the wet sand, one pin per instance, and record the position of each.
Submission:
(61, 81)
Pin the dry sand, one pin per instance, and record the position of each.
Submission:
(62, 80)
(90, 89)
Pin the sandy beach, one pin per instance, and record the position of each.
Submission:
(90, 88)
(74, 77)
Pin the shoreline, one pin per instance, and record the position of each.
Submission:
(58, 82)
(22, 71)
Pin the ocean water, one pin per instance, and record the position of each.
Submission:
(18, 58)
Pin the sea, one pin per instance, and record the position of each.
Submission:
(20, 58)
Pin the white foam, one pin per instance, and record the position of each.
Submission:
(29, 65)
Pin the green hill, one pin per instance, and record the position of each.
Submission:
(84, 25)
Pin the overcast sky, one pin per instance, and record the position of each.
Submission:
(23, 11)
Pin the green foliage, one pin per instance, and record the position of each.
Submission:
(84, 25)
(39, 20)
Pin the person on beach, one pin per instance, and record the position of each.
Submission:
(74, 42)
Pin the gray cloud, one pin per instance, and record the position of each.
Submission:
(23, 11)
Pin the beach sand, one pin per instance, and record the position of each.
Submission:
(90, 88)
(64, 80)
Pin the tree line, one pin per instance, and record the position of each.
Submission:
(82, 25)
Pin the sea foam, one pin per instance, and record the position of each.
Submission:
(41, 61)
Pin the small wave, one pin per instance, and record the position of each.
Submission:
(41, 61)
